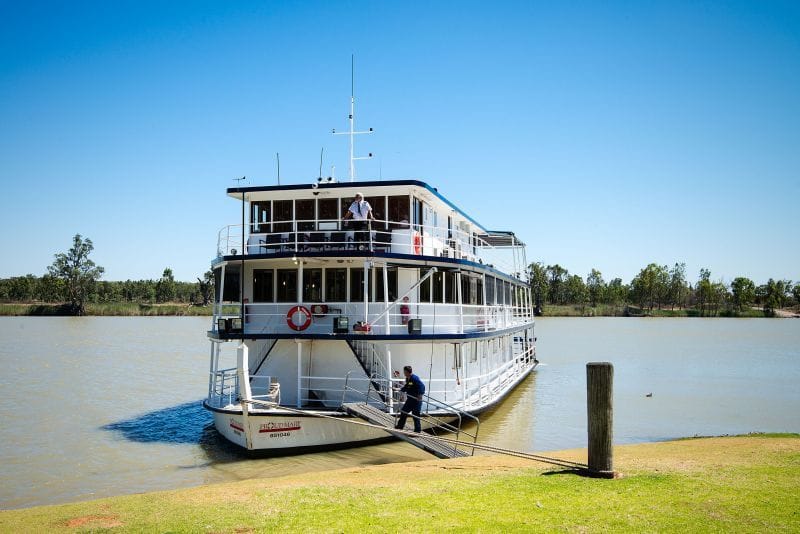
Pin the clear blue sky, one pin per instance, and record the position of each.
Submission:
(606, 135)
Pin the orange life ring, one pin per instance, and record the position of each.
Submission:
(417, 243)
(290, 318)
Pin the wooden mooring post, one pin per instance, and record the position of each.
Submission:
(599, 404)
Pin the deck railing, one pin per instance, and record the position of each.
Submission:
(374, 235)
(330, 392)
(437, 318)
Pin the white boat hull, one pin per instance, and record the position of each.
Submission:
(291, 433)
(270, 431)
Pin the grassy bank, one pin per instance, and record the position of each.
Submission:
(742, 484)
(552, 310)
(602, 310)
(112, 308)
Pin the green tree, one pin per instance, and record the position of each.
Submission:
(596, 287)
(165, 287)
(719, 296)
(78, 273)
(649, 287)
(575, 289)
(206, 287)
(616, 292)
(678, 289)
(557, 277)
(703, 292)
(743, 293)
(50, 288)
(772, 295)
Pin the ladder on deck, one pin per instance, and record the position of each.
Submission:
(374, 415)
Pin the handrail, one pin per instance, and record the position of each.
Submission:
(439, 423)
(452, 242)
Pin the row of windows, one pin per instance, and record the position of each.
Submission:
(280, 285)
(277, 215)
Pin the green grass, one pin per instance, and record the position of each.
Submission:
(111, 308)
(743, 484)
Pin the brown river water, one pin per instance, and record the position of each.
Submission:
(99, 406)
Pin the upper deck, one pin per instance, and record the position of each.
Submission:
(411, 218)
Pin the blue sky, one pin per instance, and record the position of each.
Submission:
(607, 135)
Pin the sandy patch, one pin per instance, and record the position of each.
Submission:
(94, 521)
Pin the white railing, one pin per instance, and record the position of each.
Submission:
(224, 388)
(374, 235)
(437, 318)
(329, 392)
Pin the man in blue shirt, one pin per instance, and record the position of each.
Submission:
(414, 390)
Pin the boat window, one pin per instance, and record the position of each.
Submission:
(378, 205)
(263, 290)
(507, 286)
(260, 216)
(417, 212)
(217, 277)
(312, 285)
(470, 287)
(490, 294)
(357, 285)
(438, 286)
(425, 289)
(287, 285)
(232, 283)
(345, 204)
(398, 210)
(282, 215)
(304, 213)
(328, 209)
(335, 285)
(465, 294)
(451, 293)
(392, 282)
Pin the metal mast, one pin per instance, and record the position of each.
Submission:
(352, 133)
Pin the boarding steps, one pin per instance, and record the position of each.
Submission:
(374, 415)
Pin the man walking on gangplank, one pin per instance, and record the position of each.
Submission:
(414, 390)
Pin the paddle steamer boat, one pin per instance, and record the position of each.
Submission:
(312, 313)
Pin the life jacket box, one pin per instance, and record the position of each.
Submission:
(362, 328)
(341, 325)
(415, 326)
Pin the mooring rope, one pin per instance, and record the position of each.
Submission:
(455, 443)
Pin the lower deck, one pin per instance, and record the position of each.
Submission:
(323, 374)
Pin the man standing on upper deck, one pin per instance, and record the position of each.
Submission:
(414, 390)
(360, 211)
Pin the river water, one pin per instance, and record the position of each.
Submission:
(98, 406)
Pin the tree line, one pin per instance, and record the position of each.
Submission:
(74, 279)
(660, 287)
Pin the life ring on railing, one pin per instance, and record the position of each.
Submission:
(417, 243)
(302, 310)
